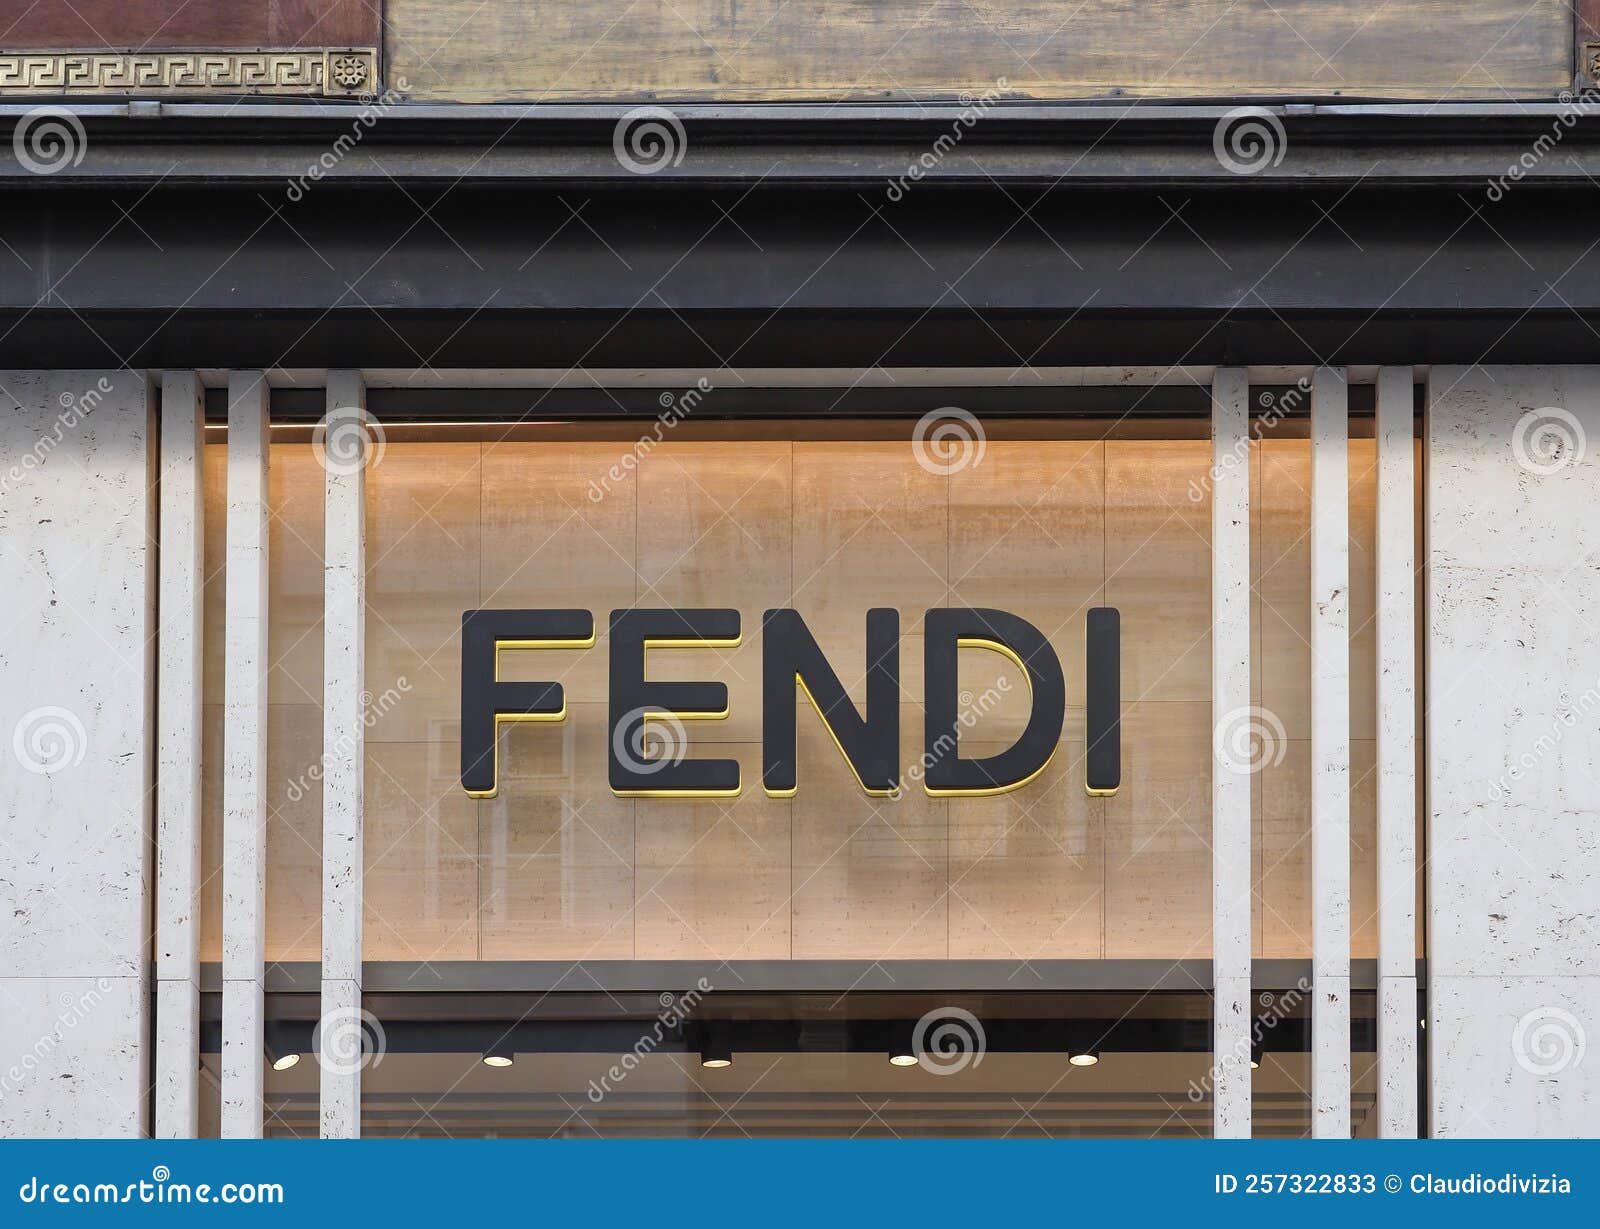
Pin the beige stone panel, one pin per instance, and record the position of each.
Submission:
(1158, 566)
(556, 847)
(294, 832)
(422, 573)
(1285, 585)
(1027, 535)
(556, 533)
(714, 525)
(995, 699)
(1027, 868)
(869, 873)
(1286, 853)
(871, 528)
(714, 873)
(421, 872)
(294, 575)
(715, 530)
(1158, 835)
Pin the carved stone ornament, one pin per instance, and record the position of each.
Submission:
(332, 72)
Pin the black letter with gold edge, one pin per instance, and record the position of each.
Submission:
(946, 632)
(636, 701)
(1102, 653)
(486, 701)
(789, 658)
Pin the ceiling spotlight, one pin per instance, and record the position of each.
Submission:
(1082, 1049)
(902, 1044)
(280, 1055)
(716, 1051)
(1255, 1055)
(499, 1054)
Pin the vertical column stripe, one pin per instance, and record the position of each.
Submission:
(1230, 779)
(244, 750)
(178, 692)
(1330, 754)
(1397, 758)
(344, 617)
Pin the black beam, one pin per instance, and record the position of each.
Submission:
(1081, 144)
(482, 277)
(304, 406)
(1114, 1035)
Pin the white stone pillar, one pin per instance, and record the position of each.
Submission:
(244, 768)
(76, 630)
(1233, 1015)
(1397, 757)
(1513, 752)
(1330, 754)
(177, 1026)
(343, 456)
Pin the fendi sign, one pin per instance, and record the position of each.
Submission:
(792, 664)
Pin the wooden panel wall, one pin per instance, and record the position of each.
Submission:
(487, 50)
(151, 24)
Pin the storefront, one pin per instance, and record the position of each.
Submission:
(984, 618)
(805, 926)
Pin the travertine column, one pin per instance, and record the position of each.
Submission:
(76, 752)
(1397, 758)
(244, 768)
(343, 456)
(1230, 777)
(177, 1026)
(1330, 755)
(1513, 750)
